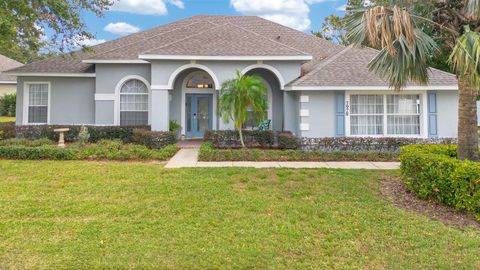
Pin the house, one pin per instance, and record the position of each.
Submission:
(174, 72)
(8, 83)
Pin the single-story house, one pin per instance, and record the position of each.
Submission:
(8, 83)
(174, 73)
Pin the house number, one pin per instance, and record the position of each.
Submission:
(347, 108)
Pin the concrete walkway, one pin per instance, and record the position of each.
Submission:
(188, 158)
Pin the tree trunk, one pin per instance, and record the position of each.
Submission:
(467, 121)
(241, 137)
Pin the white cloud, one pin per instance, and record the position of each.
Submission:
(292, 13)
(147, 7)
(82, 41)
(121, 28)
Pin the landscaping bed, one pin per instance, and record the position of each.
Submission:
(434, 172)
(102, 150)
(209, 153)
(85, 143)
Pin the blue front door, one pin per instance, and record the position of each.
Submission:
(198, 114)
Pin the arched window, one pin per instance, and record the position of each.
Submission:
(200, 80)
(133, 103)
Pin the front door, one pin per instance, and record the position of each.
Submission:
(198, 114)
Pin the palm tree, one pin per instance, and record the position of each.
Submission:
(238, 96)
(405, 50)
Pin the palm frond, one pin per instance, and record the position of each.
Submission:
(472, 9)
(404, 48)
(240, 94)
(465, 57)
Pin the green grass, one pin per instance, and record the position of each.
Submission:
(5, 119)
(97, 215)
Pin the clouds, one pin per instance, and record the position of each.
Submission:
(146, 7)
(121, 28)
(292, 13)
(82, 41)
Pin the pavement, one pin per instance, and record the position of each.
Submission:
(188, 158)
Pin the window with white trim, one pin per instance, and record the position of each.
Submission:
(134, 98)
(38, 103)
(390, 115)
(403, 114)
(366, 114)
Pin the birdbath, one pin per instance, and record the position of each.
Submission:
(61, 136)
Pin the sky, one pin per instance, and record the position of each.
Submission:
(130, 16)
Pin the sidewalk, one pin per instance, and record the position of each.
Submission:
(188, 158)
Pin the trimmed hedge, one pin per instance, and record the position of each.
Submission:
(382, 144)
(7, 130)
(434, 172)
(287, 140)
(209, 153)
(37, 153)
(33, 132)
(153, 139)
(231, 138)
(103, 150)
(24, 142)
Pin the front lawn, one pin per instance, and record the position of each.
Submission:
(5, 119)
(98, 215)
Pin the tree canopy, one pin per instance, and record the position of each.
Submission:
(23, 24)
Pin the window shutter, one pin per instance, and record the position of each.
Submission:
(432, 115)
(340, 114)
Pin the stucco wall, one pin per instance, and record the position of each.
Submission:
(223, 70)
(447, 116)
(71, 101)
(321, 110)
(291, 108)
(7, 89)
(108, 76)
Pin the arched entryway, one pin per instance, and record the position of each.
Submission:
(193, 102)
(274, 85)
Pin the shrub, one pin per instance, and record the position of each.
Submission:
(153, 139)
(83, 135)
(103, 150)
(24, 142)
(37, 153)
(288, 141)
(231, 139)
(387, 144)
(433, 171)
(174, 127)
(209, 153)
(7, 105)
(32, 132)
(7, 130)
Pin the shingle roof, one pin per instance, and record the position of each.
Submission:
(226, 40)
(332, 64)
(6, 64)
(350, 68)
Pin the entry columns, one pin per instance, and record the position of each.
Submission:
(160, 109)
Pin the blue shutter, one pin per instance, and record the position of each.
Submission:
(340, 114)
(432, 115)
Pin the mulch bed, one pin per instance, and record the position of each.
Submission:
(393, 190)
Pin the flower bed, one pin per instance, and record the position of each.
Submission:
(433, 171)
(209, 153)
(102, 150)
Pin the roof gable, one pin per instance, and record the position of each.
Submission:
(349, 68)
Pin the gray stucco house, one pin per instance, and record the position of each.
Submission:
(174, 72)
